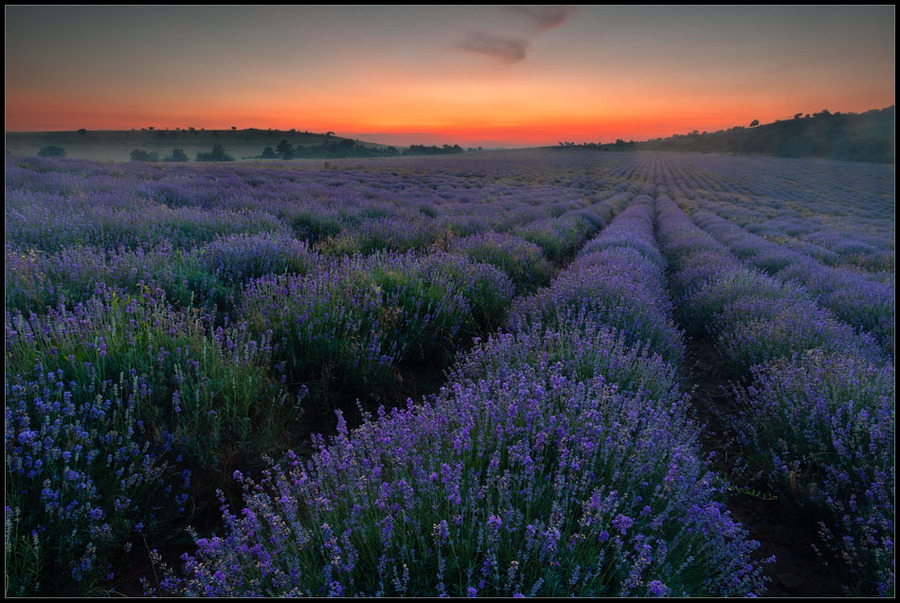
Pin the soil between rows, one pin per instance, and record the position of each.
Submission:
(778, 525)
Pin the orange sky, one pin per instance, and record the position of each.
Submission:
(474, 76)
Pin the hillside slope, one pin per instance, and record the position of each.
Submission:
(865, 136)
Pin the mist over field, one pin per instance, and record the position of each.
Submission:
(450, 301)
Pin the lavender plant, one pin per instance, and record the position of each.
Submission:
(241, 257)
(207, 388)
(822, 425)
(521, 260)
(361, 318)
(85, 480)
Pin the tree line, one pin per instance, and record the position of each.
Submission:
(348, 147)
(284, 150)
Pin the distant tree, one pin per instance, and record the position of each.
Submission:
(285, 150)
(268, 153)
(178, 155)
(754, 123)
(52, 151)
(141, 155)
(217, 154)
(234, 128)
(82, 131)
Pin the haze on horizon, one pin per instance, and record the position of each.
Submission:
(470, 75)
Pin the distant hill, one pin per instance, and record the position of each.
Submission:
(246, 144)
(865, 136)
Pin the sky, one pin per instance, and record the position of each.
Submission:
(489, 76)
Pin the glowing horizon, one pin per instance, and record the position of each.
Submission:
(473, 76)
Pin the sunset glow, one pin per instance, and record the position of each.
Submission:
(469, 75)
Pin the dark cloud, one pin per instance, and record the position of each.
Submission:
(546, 17)
(507, 50)
(512, 50)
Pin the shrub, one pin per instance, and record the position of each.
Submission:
(616, 286)
(141, 155)
(178, 155)
(314, 226)
(217, 154)
(52, 151)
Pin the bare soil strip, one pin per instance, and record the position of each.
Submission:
(798, 571)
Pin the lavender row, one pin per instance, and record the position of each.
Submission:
(558, 460)
(623, 287)
(817, 417)
(841, 213)
(207, 275)
(854, 298)
(352, 324)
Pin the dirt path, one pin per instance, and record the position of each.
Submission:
(798, 570)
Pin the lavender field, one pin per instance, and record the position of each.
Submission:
(458, 375)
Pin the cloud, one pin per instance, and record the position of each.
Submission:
(546, 17)
(510, 50)
(507, 50)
